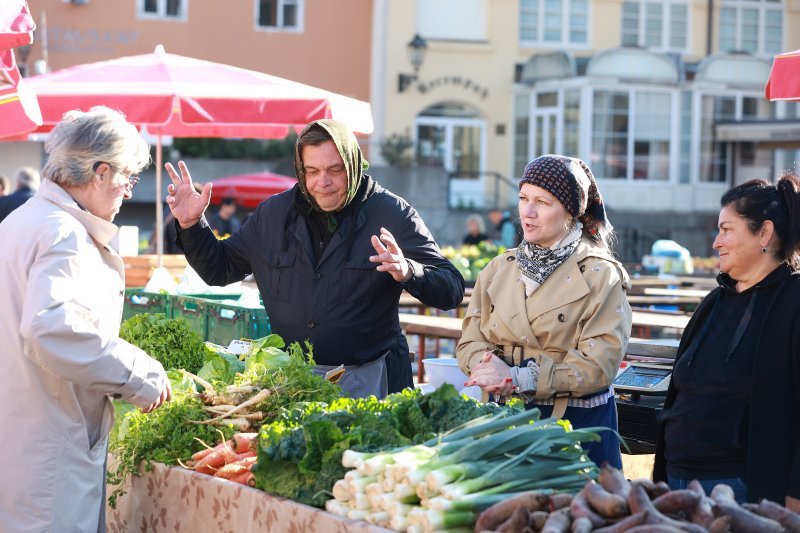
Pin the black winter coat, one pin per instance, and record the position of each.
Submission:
(347, 309)
(773, 448)
(13, 201)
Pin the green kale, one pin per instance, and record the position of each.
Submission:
(171, 341)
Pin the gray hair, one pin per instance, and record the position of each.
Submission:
(83, 139)
(28, 177)
(479, 221)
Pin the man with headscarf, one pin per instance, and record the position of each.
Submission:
(330, 258)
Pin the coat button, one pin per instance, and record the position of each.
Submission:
(276, 263)
(583, 268)
(317, 275)
(310, 324)
(510, 258)
(491, 308)
(561, 317)
(117, 396)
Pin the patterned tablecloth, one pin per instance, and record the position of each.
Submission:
(171, 499)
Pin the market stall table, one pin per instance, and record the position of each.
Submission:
(171, 499)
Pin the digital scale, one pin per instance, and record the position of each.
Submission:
(641, 388)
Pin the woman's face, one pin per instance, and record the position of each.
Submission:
(473, 227)
(113, 187)
(739, 250)
(544, 219)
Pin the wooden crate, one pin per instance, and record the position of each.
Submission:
(139, 269)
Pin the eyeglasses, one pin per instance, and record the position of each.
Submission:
(132, 178)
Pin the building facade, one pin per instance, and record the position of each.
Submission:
(656, 96)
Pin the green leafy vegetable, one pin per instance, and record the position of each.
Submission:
(171, 341)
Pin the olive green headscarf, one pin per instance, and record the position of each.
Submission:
(348, 148)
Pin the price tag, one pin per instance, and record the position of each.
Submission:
(241, 347)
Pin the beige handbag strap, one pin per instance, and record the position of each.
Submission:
(560, 406)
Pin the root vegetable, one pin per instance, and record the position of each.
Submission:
(720, 525)
(559, 501)
(200, 381)
(677, 501)
(652, 528)
(653, 490)
(625, 524)
(215, 460)
(638, 501)
(579, 508)
(743, 520)
(722, 493)
(537, 520)
(788, 519)
(246, 478)
(696, 486)
(242, 424)
(516, 522)
(582, 525)
(259, 397)
(558, 522)
(502, 511)
(614, 481)
(605, 503)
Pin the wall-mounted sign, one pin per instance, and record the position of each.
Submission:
(88, 40)
(455, 81)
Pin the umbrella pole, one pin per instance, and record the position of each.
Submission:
(159, 205)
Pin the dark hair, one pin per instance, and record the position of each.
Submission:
(757, 201)
(228, 201)
(314, 136)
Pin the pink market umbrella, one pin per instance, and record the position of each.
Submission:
(249, 190)
(784, 78)
(19, 112)
(185, 97)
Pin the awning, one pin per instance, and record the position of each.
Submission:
(760, 131)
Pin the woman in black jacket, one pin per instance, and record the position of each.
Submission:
(732, 412)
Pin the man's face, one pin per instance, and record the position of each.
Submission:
(326, 177)
(495, 217)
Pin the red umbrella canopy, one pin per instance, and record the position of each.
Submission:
(784, 79)
(19, 112)
(250, 189)
(186, 97)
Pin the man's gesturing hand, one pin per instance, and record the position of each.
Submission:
(186, 204)
(390, 257)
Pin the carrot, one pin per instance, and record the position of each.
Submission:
(205, 452)
(237, 468)
(215, 460)
(242, 441)
(245, 478)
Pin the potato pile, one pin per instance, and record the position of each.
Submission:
(614, 504)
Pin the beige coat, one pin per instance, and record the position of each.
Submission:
(62, 288)
(576, 325)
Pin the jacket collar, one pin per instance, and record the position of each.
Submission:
(565, 285)
(100, 230)
(779, 275)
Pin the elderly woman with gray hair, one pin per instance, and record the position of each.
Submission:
(549, 321)
(63, 288)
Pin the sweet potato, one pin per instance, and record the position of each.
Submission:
(638, 501)
(537, 519)
(653, 490)
(614, 481)
(653, 528)
(701, 513)
(580, 508)
(558, 522)
(743, 520)
(720, 525)
(603, 502)
(788, 519)
(722, 493)
(560, 500)
(696, 486)
(625, 524)
(502, 511)
(676, 501)
(516, 522)
(582, 525)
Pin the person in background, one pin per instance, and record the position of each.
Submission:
(63, 288)
(225, 222)
(5, 185)
(504, 232)
(27, 184)
(732, 411)
(549, 321)
(476, 230)
(331, 257)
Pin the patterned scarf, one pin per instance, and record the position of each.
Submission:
(537, 263)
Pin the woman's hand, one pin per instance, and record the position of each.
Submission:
(493, 375)
(390, 257)
(186, 204)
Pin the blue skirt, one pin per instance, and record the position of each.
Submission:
(607, 450)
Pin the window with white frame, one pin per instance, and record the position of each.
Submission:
(163, 9)
(631, 132)
(279, 14)
(554, 22)
(659, 25)
(754, 26)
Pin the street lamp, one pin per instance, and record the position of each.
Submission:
(416, 55)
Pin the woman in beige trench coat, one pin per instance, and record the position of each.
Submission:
(62, 287)
(549, 321)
